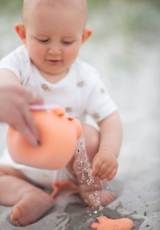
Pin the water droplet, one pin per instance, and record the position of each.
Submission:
(96, 193)
(101, 208)
(91, 196)
(86, 201)
(95, 212)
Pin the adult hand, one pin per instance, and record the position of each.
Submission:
(14, 110)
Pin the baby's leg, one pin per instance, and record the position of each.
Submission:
(29, 202)
(92, 193)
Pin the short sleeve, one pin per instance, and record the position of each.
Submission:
(99, 104)
(17, 62)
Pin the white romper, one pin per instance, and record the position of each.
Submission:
(81, 92)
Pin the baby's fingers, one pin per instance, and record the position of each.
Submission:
(102, 170)
(109, 174)
(112, 175)
(106, 173)
(96, 167)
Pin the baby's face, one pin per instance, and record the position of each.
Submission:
(53, 39)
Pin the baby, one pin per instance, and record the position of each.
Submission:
(52, 34)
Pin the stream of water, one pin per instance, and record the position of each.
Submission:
(88, 183)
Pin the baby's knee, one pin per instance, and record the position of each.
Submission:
(92, 138)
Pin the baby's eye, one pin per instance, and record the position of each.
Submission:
(43, 40)
(67, 42)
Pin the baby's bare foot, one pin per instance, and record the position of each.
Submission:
(98, 198)
(33, 205)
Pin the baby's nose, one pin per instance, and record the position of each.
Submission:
(54, 50)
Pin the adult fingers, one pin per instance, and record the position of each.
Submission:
(33, 98)
(22, 127)
(31, 131)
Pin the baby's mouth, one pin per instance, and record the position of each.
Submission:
(54, 60)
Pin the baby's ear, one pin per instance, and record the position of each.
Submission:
(86, 34)
(20, 29)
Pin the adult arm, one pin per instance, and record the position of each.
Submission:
(14, 104)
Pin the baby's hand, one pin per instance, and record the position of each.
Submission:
(104, 166)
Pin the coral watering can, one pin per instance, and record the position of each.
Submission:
(58, 135)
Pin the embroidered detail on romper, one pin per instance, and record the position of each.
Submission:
(80, 84)
(68, 109)
(46, 87)
(102, 90)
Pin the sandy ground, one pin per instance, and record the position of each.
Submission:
(129, 65)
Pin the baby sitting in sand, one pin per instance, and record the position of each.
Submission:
(52, 34)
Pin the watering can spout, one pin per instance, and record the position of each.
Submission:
(78, 127)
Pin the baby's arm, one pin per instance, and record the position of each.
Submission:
(7, 77)
(105, 164)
